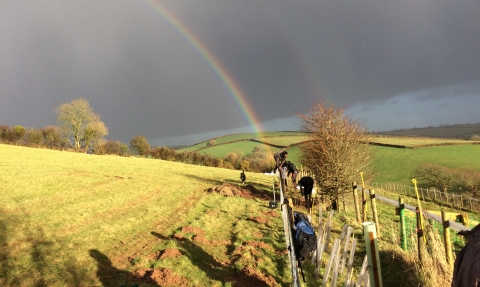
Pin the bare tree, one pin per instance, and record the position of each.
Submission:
(435, 175)
(338, 150)
(79, 125)
(469, 180)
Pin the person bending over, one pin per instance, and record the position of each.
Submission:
(306, 187)
(280, 158)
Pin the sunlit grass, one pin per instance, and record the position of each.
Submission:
(58, 206)
(395, 165)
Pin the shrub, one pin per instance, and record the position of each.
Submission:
(51, 138)
(475, 138)
(245, 165)
(112, 147)
(34, 138)
(19, 132)
(4, 132)
(211, 142)
(141, 145)
(232, 158)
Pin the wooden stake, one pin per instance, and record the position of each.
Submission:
(420, 235)
(446, 239)
(355, 201)
(374, 211)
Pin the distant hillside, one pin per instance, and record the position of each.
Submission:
(459, 131)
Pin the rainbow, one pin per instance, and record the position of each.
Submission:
(214, 63)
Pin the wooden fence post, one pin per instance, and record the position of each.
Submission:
(374, 211)
(446, 238)
(364, 204)
(355, 201)
(403, 233)
(420, 237)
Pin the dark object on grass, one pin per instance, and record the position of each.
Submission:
(305, 239)
(243, 177)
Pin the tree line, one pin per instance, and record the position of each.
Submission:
(458, 180)
(81, 130)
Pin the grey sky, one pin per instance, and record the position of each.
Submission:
(143, 77)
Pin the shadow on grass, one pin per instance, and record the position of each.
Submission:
(225, 272)
(36, 266)
(202, 179)
(396, 270)
(113, 277)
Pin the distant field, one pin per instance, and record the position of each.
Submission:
(284, 140)
(417, 141)
(223, 150)
(459, 131)
(394, 165)
(278, 136)
(391, 165)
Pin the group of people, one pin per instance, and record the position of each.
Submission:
(287, 168)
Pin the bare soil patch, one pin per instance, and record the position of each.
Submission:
(169, 253)
(160, 276)
(246, 191)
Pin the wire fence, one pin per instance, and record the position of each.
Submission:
(446, 198)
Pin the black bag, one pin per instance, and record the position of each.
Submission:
(305, 240)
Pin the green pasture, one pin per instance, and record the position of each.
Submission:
(70, 219)
(223, 150)
(396, 165)
(284, 140)
(391, 165)
(284, 136)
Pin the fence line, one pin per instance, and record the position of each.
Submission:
(425, 194)
(340, 259)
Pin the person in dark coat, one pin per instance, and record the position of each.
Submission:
(292, 170)
(306, 187)
(466, 271)
(289, 168)
(280, 158)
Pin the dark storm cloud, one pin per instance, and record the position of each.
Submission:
(143, 77)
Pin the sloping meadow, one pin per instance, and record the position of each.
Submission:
(71, 219)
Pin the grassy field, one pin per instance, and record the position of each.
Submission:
(391, 165)
(394, 165)
(245, 137)
(71, 219)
